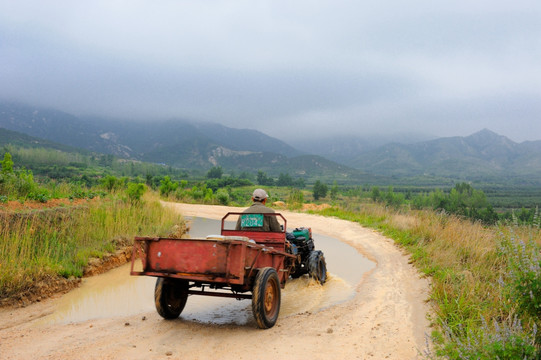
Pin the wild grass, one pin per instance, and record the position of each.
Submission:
(44, 243)
(473, 295)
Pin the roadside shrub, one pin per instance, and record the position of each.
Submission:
(474, 277)
(92, 194)
(516, 335)
(19, 183)
(507, 341)
(181, 193)
(41, 196)
(135, 191)
(524, 277)
(25, 182)
(111, 183)
(7, 164)
(201, 193)
(223, 196)
(78, 193)
(167, 186)
(196, 193)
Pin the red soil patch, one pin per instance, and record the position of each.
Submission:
(13, 206)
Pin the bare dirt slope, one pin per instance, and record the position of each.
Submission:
(385, 320)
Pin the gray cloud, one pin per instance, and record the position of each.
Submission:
(283, 67)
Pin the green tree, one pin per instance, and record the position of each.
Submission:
(284, 180)
(263, 179)
(111, 182)
(438, 200)
(201, 192)
(167, 186)
(334, 190)
(135, 191)
(7, 164)
(246, 175)
(376, 194)
(299, 183)
(223, 196)
(148, 179)
(215, 173)
(320, 190)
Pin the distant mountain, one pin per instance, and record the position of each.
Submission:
(8, 137)
(174, 142)
(481, 155)
(130, 139)
(344, 149)
(59, 127)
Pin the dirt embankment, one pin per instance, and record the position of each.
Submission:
(13, 211)
(385, 320)
(54, 285)
(50, 285)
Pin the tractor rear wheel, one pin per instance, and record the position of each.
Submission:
(317, 267)
(266, 298)
(170, 296)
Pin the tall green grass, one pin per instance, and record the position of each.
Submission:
(59, 242)
(479, 283)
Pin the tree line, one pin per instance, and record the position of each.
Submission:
(462, 200)
(81, 173)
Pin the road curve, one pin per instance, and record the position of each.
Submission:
(386, 319)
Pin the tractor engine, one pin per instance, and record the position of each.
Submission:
(301, 241)
(309, 261)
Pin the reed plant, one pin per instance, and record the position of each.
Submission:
(476, 291)
(59, 242)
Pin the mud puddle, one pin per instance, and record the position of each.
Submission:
(116, 293)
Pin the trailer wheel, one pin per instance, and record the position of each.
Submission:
(170, 296)
(266, 298)
(317, 266)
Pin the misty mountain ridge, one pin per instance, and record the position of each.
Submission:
(128, 138)
(482, 154)
(132, 139)
(191, 145)
(177, 143)
(26, 141)
(345, 148)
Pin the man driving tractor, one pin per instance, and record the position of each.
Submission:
(259, 199)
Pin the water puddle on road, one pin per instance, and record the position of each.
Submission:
(116, 293)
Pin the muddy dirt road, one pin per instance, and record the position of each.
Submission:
(385, 319)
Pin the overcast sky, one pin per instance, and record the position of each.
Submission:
(442, 68)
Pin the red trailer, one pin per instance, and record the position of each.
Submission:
(237, 261)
